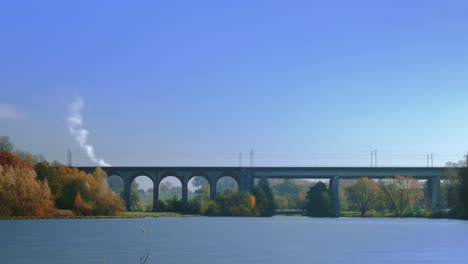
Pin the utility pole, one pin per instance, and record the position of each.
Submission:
(240, 159)
(372, 158)
(69, 158)
(375, 152)
(251, 157)
(432, 161)
(427, 160)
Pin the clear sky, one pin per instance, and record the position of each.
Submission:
(197, 82)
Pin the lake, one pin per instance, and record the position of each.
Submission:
(235, 240)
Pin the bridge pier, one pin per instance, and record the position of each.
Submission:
(184, 192)
(213, 188)
(126, 193)
(334, 188)
(432, 194)
(246, 180)
(155, 194)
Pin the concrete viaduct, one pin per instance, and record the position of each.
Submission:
(245, 177)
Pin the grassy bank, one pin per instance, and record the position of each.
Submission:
(68, 214)
(426, 214)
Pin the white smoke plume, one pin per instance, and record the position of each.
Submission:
(75, 123)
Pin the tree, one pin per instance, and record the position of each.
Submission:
(281, 201)
(462, 207)
(400, 194)
(135, 202)
(449, 187)
(199, 182)
(293, 190)
(226, 184)
(5, 144)
(363, 194)
(29, 158)
(45, 172)
(232, 204)
(264, 198)
(21, 194)
(319, 202)
(94, 191)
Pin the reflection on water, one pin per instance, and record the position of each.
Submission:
(234, 240)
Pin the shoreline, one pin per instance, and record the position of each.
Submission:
(124, 215)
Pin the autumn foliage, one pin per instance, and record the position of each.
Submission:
(8, 159)
(24, 194)
(86, 194)
(21, 194)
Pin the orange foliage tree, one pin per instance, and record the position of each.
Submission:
(21, 194)
(97, 198)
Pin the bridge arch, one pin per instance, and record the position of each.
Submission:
(226, 183)
(116, 183)
(166, 174)
(137, 174)
(201, 174)
(113, 173)
(170, 191)
(141, 193)
(198, 187)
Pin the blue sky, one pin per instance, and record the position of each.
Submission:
(197, 82)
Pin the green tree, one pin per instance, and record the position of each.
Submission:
(363, 194)
(400, 194)
(45, 172)
(233, 204)
(135, 202)
(135, 199)
(319, 202)
(462, 207)
(199, 182)
(293, 190)
(449, 188)
(226, 184)
(264, 198)
(5, 144)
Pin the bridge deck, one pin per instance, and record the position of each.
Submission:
(291, 172)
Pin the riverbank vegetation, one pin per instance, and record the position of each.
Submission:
(31, 187)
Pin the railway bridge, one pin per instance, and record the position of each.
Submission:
(245, 177)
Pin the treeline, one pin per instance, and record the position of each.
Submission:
(399, 196)
(228, 203)
(31, 187)
(455, 190)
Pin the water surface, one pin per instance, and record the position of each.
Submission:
(235, 240)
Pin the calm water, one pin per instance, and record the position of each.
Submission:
(235, 240)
